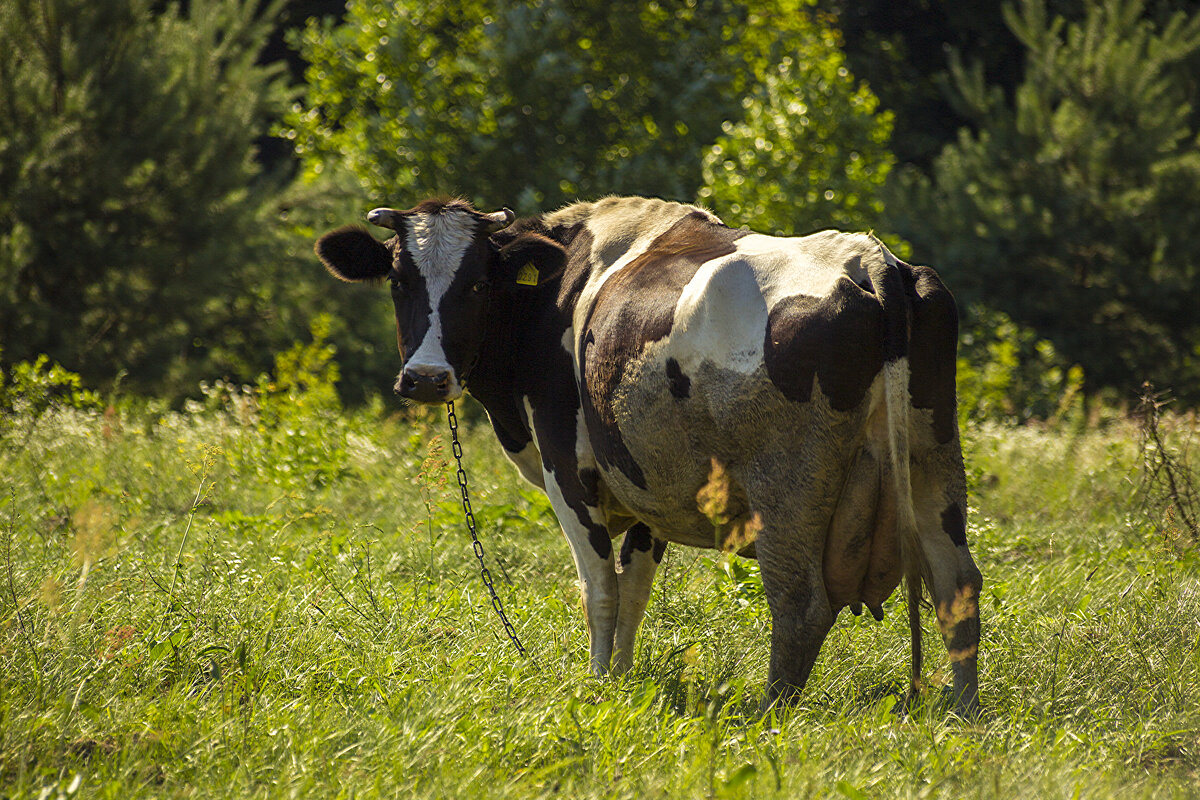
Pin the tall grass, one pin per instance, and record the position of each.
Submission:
(264, 595)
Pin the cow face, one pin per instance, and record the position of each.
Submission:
(444, 267)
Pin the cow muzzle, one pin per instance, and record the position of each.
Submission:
(427, 385)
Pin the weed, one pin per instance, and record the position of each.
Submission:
(432, 482)
(1167, 489)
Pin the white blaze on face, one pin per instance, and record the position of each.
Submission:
(437, 243)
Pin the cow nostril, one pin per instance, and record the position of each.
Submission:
(424, 387)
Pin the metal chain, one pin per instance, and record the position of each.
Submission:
(470, 518)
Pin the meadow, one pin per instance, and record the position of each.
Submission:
(265, 595)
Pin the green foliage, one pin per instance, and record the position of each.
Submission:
(136, 228)
(304, 380)
(739, 580)
(1167, 491)
(532, 104)
(903, 50)
(300, 414)
(810, 151)
(1007, 374)
(1072, 208)
(31, 389)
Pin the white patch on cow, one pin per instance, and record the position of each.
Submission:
(634, 582)
(807, 265)
(619, 208)
(528, 460)
(720, 317)
(437, 243)
(525, 404)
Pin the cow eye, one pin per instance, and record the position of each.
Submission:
(479, 286)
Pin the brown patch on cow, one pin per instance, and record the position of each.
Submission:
(679, 384)
(933, 348)
(634, 307)
(838, 339)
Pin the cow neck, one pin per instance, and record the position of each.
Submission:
(522, 347)
(495, 379)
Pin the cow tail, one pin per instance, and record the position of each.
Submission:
(889, 289)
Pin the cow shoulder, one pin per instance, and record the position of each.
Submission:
(634, 307)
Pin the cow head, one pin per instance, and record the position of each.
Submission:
(446, 265)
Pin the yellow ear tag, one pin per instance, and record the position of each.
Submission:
(527, 275)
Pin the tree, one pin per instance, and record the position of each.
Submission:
(535, 103)
(810, 151)
(1072, 208)
(135, 224)
(903, 50)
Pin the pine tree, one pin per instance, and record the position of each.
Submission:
(131, 206)
(1073, 208)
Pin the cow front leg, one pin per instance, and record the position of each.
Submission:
(598, 592)
(591, 547)
(641, 554)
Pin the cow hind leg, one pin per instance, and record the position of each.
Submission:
(953, 580)
(801, 616)
(641, 554)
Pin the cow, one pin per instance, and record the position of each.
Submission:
(628, 349)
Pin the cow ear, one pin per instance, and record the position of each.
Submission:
(531, 259)
(353, 254)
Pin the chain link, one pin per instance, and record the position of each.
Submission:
(484, 572)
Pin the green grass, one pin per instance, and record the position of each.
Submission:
(202, 604)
